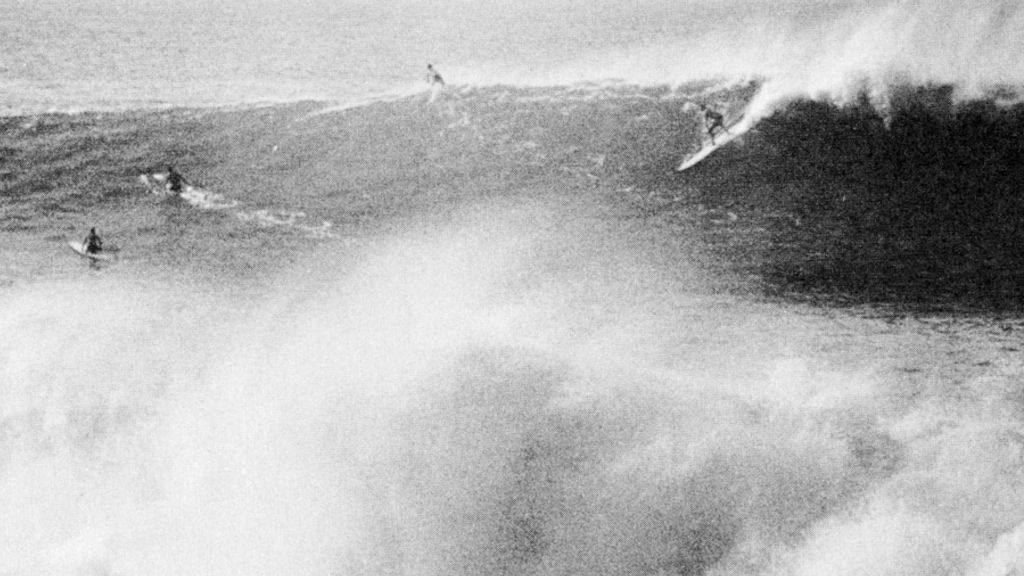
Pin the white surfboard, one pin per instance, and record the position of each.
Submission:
(721, 139)
(79, 248)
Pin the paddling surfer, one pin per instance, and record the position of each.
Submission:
(174, 180)
(92, 243)
(713, 120)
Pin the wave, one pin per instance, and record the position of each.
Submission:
(886, 203)
(907, 199)
(525, 343)
(805, 49)
(902, 199)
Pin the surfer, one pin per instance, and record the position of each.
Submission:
(713, 120)
(92, 242)
(433, 76)
(174, 180)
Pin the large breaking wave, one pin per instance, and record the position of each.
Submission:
(539, 349)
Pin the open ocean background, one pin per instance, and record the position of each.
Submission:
(491, 329)
(140, 54)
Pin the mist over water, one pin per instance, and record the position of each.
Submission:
(519, 391)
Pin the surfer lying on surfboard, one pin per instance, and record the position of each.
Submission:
(713, 120)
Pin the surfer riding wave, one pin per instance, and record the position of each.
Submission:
(712, 120)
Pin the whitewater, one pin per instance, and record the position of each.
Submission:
(493, 330)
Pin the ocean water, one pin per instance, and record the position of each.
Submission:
(491, 329)
(102, 55)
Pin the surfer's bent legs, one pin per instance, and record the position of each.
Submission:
(711, 130)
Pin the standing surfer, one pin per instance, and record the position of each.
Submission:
(433, 76)
(713, 120)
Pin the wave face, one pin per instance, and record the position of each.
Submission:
(928, 201)
(528, 345)
(911, 204)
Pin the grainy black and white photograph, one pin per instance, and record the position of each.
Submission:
(495, 288)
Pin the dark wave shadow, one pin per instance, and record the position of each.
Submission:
(921, 208)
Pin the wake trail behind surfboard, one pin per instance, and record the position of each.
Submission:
(204, 199)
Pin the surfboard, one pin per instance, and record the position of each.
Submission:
(79, 248)
(736, 130)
